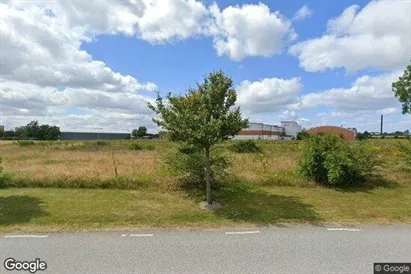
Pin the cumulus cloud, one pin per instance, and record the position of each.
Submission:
(167, 20)
(249, 30)
(45, 50)
(21, 102)
(376, 36)
(303, 13)
(28, 99)
(268, 95)
(365, 93)
(45, 73)
(100, 100)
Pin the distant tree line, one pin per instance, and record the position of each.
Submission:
(32, 131)
(35, 131)
(141, 133)
(396, 134)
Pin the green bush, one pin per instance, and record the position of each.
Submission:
(149, 147)
(102, 143)
(136, 146)
(25, 143)
(406, 152)
(2, 176)
(302, 135)
(330, 160)
(246, 146)
(189, 161)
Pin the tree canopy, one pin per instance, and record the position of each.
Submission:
(402, 90)
(203, 117)
(35, 131)
(140, 132)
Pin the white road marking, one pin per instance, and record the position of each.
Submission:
(123, 235)
(141, 235)
(242, 232)
(343, 229)
(25, 236)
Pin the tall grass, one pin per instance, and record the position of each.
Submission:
(90, 164)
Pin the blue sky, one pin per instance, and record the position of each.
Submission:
(96, 65)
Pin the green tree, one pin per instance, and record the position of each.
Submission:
(140, 132)
(52, 133)
(162, 134)
(32, 130)
(9, 134)
(402, 90)
(303, 135)
(362, 136)
(202, 118)
(20, 133)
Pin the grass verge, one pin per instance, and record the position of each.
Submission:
(50, 209)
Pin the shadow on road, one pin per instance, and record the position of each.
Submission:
(20, 209)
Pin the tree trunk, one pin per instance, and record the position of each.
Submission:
(208, 177)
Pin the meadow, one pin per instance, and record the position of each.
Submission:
(85, 185)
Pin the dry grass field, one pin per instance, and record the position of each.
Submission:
(96, 185)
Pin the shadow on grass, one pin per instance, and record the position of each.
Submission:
(244, 204)
(369, 185)
(19, 209)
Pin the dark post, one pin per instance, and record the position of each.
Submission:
(382, 121)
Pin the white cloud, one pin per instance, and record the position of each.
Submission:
(45, 50)
(101, 100)
(29, 99)
(378, 36)
(167, 20)
(113, 111)
(41, 54)
(268, 95)
(249, 30)
(366, 93)
(303, 13)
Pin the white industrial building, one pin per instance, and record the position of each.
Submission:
(259, 131)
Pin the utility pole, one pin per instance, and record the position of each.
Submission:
(382, 123)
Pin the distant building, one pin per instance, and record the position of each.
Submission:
(1, 128)
(259, 131)
(93, 136)
(291, 128)
(347, 134)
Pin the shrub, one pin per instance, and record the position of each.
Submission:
(303, 135)
(25, 143)
(406, 152)
(1, 174)
(330, 160)
(189, 161)
(136, 146)
(102, 143)
(246, 146)
(149, 147)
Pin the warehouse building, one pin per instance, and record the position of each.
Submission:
(93, 136)
(259, 131)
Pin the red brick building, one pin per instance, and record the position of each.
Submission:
(348, 134)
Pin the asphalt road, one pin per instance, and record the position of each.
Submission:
(254, 250)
